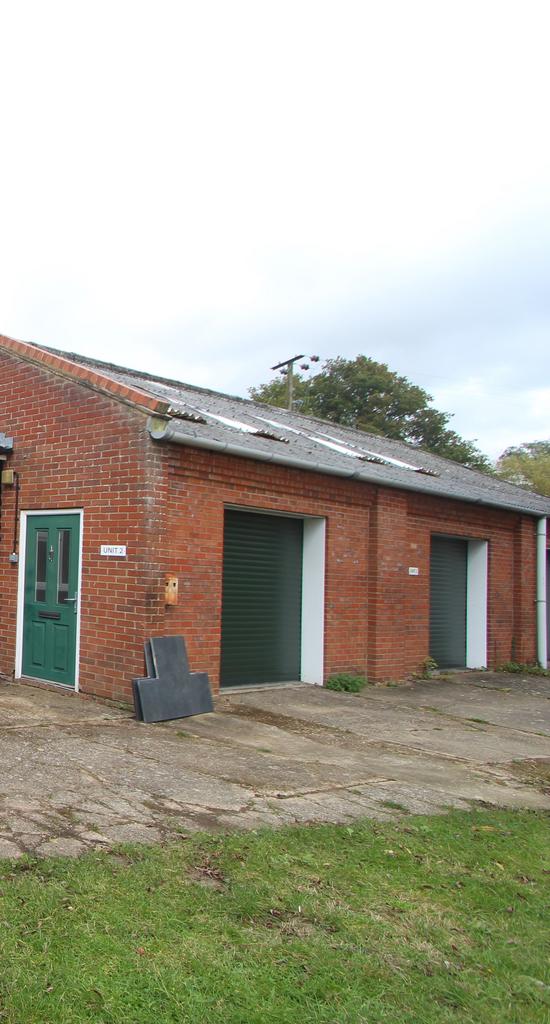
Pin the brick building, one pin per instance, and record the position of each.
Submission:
(282, 547)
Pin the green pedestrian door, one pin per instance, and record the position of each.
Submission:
(51, 595)
(262, 599)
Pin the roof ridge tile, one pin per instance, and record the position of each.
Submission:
(67, 367)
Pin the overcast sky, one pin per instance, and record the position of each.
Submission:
(202, 189)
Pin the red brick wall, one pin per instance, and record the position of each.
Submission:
(377, 616)
(75, 448)
(201, 484)
(511, 590)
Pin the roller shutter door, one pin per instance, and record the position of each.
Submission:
(448, 583)
(262, 599)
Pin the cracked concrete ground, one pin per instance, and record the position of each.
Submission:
(75, 774)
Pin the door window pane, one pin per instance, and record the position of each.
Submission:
(41, 562)
(63, 565)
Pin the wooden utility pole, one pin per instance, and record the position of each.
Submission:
(287, 369)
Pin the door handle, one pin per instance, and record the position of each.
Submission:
(71, 600)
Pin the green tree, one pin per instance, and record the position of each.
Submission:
(527, 465)
(367, 395)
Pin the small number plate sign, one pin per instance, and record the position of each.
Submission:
(113, 550)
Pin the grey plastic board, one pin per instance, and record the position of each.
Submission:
(159, 700)
(137, 700)
(169, 656)
(149, 660)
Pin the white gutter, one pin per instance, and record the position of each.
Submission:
(161, 429)
(542, 621)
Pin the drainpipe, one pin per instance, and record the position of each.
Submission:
(542, 622)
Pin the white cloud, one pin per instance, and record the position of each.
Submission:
(203, 187)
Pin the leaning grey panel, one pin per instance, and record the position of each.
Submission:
(161, 700)
(169, 657)
(171, 691)
(149, 664)
(137, 699)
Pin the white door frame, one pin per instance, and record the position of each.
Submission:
(477, 581)
(313, 601)
(21, 588)
(476, 604)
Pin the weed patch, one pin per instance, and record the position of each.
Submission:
(346, 682)
(524, 669)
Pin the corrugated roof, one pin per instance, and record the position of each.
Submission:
(204, 417)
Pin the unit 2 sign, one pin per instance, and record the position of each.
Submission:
(113, 550)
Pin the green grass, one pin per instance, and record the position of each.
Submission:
(424, 920)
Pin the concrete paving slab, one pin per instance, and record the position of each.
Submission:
(21, 705)
(76, 775)
(389, 721)
(472, 702)
(236, 731)
(517, 682)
